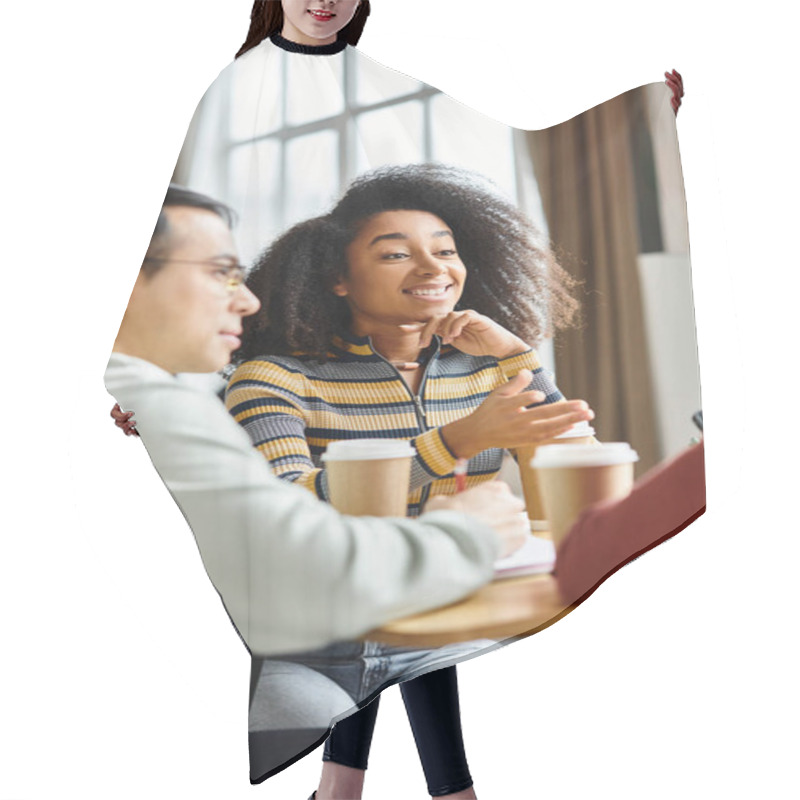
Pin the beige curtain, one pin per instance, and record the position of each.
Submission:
(585, 171)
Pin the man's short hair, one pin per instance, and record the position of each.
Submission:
(179, 196)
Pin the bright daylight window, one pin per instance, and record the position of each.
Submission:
(313, 150)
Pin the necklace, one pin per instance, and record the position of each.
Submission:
(405, 366)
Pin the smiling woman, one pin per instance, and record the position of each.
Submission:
(402, 266)
(306, 22)
(361, 309)
(511, 274)
(316, 21)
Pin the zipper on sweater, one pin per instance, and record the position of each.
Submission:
(419, 408)
(423, 422)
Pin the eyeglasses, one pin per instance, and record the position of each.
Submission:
(232, 276)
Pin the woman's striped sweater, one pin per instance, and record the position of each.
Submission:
(293, 406)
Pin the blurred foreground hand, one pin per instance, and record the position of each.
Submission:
(494, 505)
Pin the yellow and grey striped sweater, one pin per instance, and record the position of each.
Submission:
(293, 406)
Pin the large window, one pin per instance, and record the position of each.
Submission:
(302, 151)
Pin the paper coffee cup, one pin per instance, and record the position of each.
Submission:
(580, 434)
(573, 477)
(369, 477)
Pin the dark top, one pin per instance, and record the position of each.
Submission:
(309, 49)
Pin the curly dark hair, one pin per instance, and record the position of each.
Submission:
(512, 275)
(266, 19)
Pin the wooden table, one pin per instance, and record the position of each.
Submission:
(502, 609)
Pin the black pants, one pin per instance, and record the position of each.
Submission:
(432, 706)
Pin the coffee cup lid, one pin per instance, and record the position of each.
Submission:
(579, 455)
(581, 429)
(367, 450)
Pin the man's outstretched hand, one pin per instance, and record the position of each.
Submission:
(675, 82)
(124, 420)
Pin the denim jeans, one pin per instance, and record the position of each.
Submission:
(297, 698)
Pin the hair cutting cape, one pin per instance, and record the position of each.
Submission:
(279, 136)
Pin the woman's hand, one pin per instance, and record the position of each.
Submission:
(124, 420)
(503, 419)
(471, 333)
(675, 82)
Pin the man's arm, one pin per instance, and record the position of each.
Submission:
(292, 572)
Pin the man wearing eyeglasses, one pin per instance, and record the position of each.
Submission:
(293, 574)
(185, 312)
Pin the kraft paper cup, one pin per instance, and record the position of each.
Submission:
(369, 477)
(573, 477)
(581, 434)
